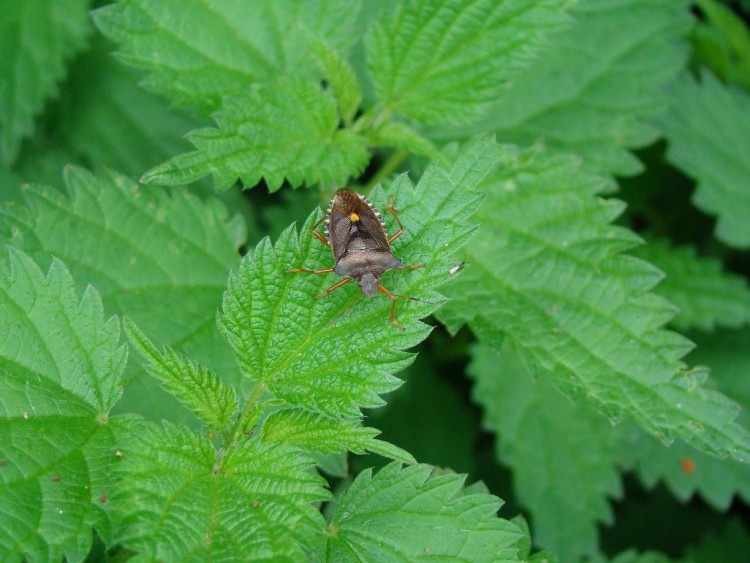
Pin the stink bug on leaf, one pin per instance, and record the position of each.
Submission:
(355, 232)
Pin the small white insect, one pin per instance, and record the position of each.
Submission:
(457, 268)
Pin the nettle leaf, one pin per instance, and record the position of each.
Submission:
(725, 544)
(291, 343)
(287, 128)
(160, 258)
(444, 61)
(549, 273)
(199, 52)
(590, 91)
(325, 435)
(341, 79)
(563, 455)
(684, 471)
(409, 513)
(705, 295)
(115, 122)
(708, 130)
(179, 498)
(196, 386)
(61, 364)
(38, 38)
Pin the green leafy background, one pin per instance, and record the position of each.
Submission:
(585, 369)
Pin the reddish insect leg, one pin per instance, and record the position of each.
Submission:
(409, 267)
(333, 288)
(392, 297)
(321, 238)
(390, 209)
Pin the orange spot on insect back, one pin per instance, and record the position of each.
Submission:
(354, 217)
(688, 465)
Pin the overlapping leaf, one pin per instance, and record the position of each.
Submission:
(281, 129)
(181, 499)
(116, 123)
(38, 38)
(293, 344)
(408, 514)
(683, 470)
(708, 129)
(197, 52)
(562, 454)
(60, 368)
(444, 61)
(591, 89)
(196, 386)
(548, 272)
(705, 295)
(161, 259)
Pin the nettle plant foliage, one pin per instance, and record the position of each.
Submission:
(170, 391)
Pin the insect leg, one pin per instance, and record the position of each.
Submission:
(333, 288)
(390, 209)
(321, 238)
(409, 267)
(392, 297)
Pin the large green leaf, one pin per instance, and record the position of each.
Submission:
(444, 61)
(404, 514)
(591, 89)
(684, 471)
(281, 129)
(562, 453)
(548, 272)
(112, 121)
(179, 499)
(160, 258)
(197, 52)
(708, 129)
(290, 343)
(61, 363)
(36, 39)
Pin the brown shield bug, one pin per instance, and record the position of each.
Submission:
(355, 232)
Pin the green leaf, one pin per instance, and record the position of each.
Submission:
(731, 544)
(197, 52)
(708, 129)
(38, 37)
(341, 78)
(444, 61)
(287, 128)
(549, 273)
(291, 343)
(562, 453)
(401, 136)
(684, 471)
(325, 435)
(179, 499)
(61, 364)
(407, 514)
(160, 258)
(115, 123)
(705, 295)
(591, 89)
(196, 386)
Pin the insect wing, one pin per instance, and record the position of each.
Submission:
(352, 218)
